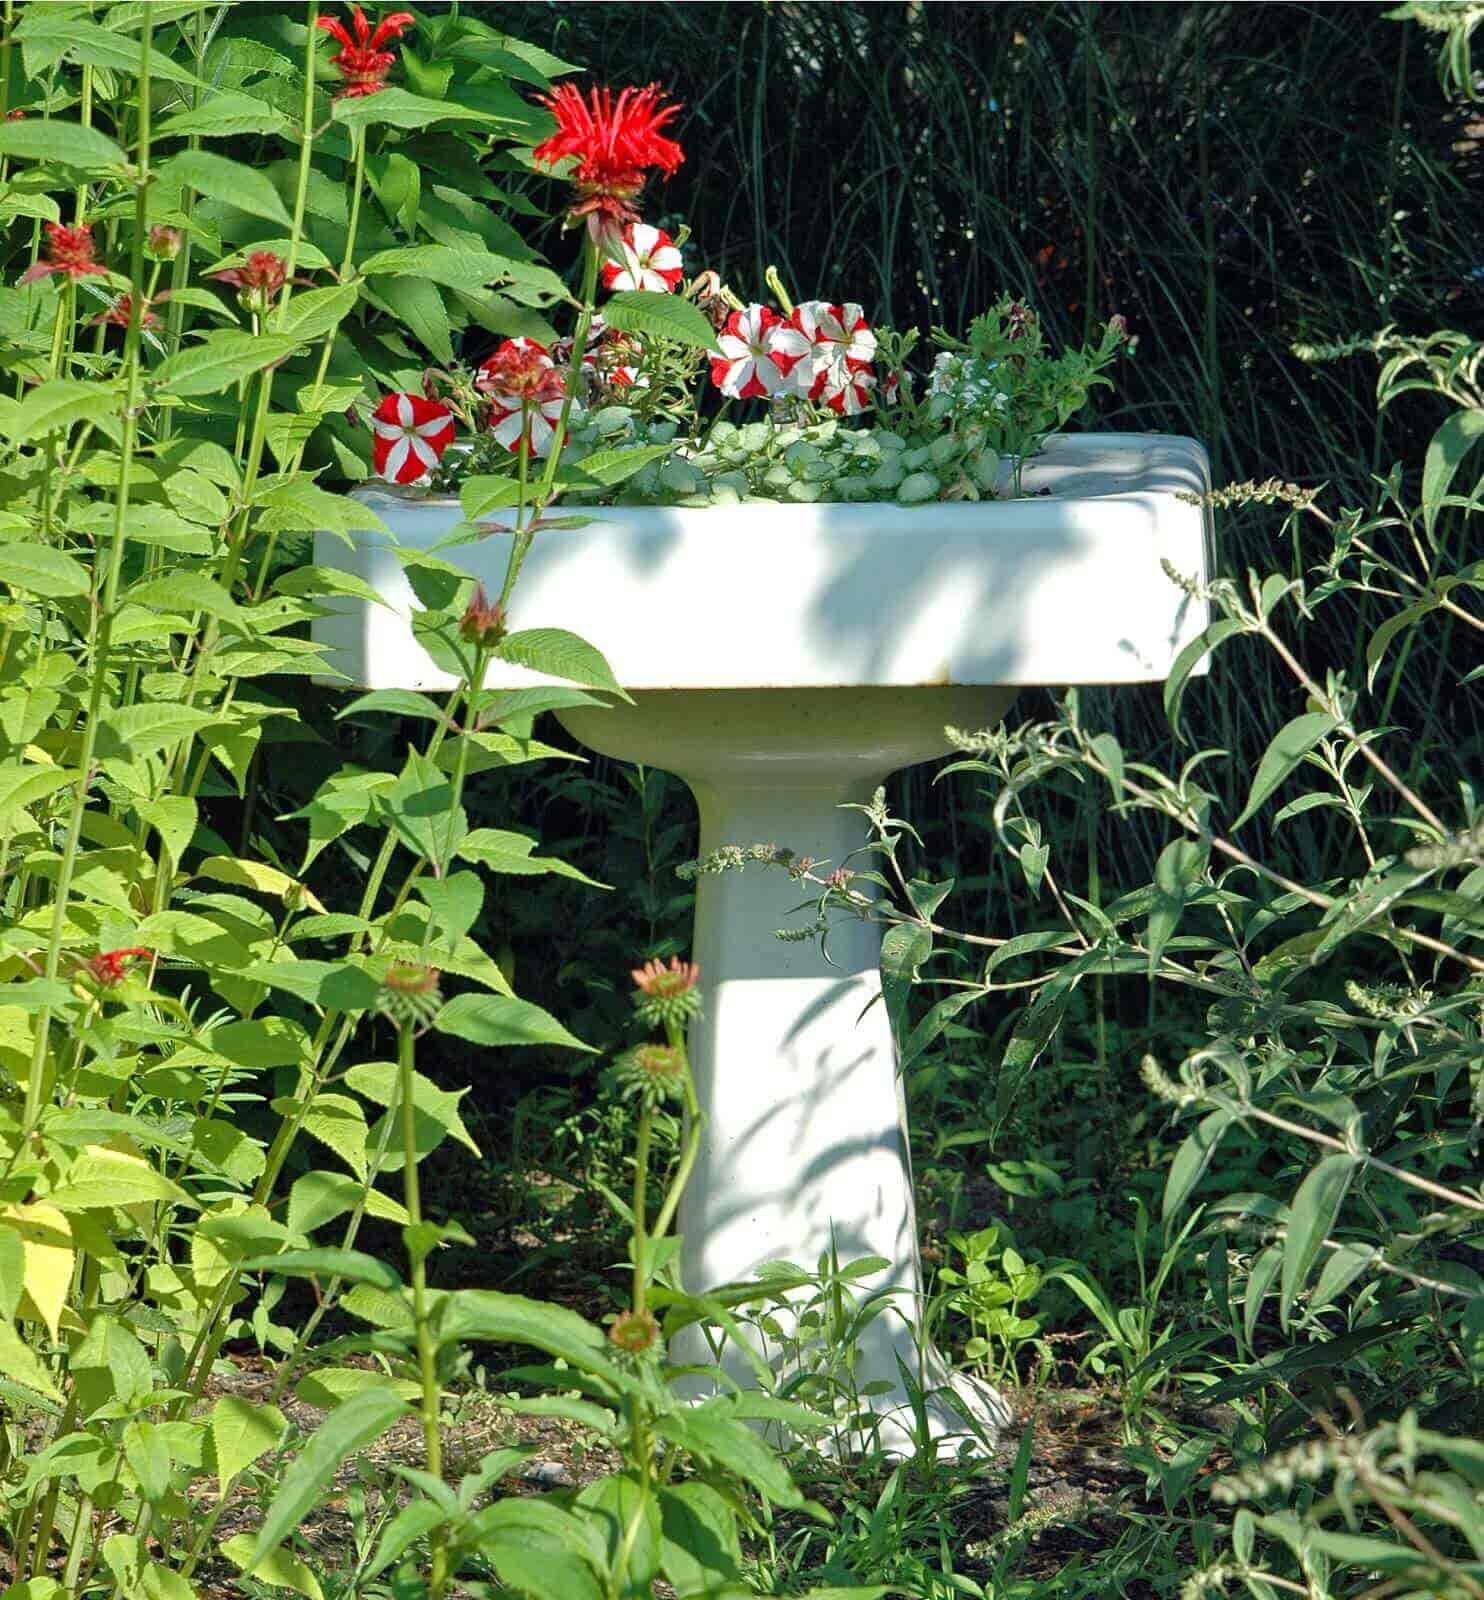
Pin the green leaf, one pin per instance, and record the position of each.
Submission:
(66, 144)
(144, 730)
(493, 1019)
(1176, 873)
(231, 182)
(419, 806)
(103, 1177)
(185, 593)
(1190, 657)
(560, 654)
(58, 404)
(224, 114)
(1192, 1159)
(241, 1431)
(715, 1436)
(220, 360)
(653, 315)
(501, 851)
(38, 569)
(618, 1504)
(486, 1314)
(1289, 746)
(327, 1262)
(1445, 455)
(469, 270)
(312, 314)
(1311, 1215)
(400, 109)
(699, 1548)
(417, 303)
(278, 1569)
(610, 467)
(350, 1427)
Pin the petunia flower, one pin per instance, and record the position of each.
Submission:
(411, 434)
(69, 251)
(615, 142)
(541, 418)
(362, 61)
(852, 394)
(641, 257)
(757, 354)
(839, 342)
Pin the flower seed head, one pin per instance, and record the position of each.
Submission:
(652, 1074)
(634, 1332)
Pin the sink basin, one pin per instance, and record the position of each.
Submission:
(784, 660)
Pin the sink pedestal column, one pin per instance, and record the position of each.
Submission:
(805, 1149)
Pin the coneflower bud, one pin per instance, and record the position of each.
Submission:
(667, 995)
(634, 1332)
(409, 992)
(652, 1074)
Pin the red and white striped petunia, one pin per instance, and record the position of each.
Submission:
(756, 354)
(641, 257)
(505, 415)
(853, 395)
(411, 434)
(839, 342)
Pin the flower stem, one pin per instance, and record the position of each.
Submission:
(427, 1356)
(102, 628)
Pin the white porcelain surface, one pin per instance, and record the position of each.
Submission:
(785, 660)
(1063, 587)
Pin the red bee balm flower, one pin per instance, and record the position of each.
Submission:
(109, 967)
(68, 251)
(257, 280)
(411, 435)
(122, 309)
(363, 62)
(615, 142)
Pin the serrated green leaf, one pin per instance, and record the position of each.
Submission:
(653, 315)
(220, 360)
(493, 1019)
(232, 182)
(560, 654)
(38, 569)
(67, 144)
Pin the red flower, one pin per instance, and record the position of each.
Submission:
(362, 61)
(108, 968)
(614, 141)
(520, 369)
(120, 311)
(411, 434)
(257, 280)
(18, 115)
(641, 257)
(68, 251)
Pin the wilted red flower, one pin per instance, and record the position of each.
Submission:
(119, 313)
(109, 967)
(483, 621)
(68, 251)
(162, 243)
(615, 142)
(17, 115)
(520, 369)
(256, 280)
(363, 62)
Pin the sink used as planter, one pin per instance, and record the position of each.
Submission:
(783, 660)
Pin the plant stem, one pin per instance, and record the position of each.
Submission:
(107, 600)
(427, 1355)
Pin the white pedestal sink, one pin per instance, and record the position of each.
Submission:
(784, 660)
